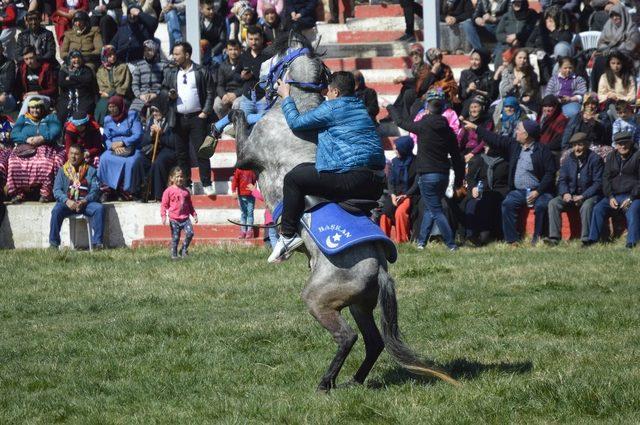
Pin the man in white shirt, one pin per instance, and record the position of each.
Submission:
(189, 85)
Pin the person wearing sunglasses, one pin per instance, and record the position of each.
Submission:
(37, 36)
(191, 92)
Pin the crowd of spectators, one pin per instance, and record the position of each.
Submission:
(537, 120)
(98, 82)
(552, 128)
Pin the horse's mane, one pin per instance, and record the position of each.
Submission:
(283, 42)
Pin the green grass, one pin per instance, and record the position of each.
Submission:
(536, 335)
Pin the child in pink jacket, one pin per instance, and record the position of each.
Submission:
(176, 202)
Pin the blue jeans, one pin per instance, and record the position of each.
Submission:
(93, 210)
(253, 111)
(511, 205)
(473, 33)
(246, 211)
(174, 20)
(602, 210)
(432, 189)
(571, 109)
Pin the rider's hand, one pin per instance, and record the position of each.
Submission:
(284, 89)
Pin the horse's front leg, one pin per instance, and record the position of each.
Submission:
(330, 318)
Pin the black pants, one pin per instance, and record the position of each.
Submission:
(410, 8)
(158, 172)
(190, 128)
(306, 180)
(108, 27)
(334, 8)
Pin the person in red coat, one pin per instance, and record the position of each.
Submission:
(83, 130)
(240, 187)
(552, 124)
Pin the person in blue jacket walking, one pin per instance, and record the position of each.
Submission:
(349, 159)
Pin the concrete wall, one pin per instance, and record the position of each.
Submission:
(27, 225)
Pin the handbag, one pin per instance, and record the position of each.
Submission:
(24, 150)
(208, 147)
(126, 152)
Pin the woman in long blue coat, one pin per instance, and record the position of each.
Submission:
(121, 167)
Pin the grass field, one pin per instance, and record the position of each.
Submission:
(536, 335)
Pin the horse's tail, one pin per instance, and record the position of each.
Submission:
(400, 352)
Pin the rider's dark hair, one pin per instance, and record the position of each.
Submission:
(234, 43)
(343, 81)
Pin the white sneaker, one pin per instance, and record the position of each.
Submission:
(284, 248)
(209, 190)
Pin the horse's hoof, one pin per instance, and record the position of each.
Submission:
(323, 390)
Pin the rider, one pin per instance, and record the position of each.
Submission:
(349, 160)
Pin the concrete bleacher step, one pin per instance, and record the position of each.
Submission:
(218, 202)
(364, 11)
(368, 36)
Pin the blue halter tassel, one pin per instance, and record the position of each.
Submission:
(277, 72)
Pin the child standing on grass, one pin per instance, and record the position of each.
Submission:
(176, 201)
(240, 185)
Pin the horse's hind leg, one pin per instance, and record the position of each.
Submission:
(342, 333)
(373, 342)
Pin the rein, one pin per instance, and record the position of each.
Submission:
(279, 69)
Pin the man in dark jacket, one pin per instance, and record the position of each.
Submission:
(367, 95)
(37, 36)
(437, 154)
(230, 83)
(514, 28)
(579, 186)
(189, 87)
(621, 189)
(213, 28)
(532, 169)
(132, 33)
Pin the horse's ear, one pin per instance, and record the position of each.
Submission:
(315, 48)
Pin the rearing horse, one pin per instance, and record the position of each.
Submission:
(356, 278)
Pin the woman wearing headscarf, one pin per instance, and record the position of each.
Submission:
(506, 117)
(476, 80)
(77, 87)
(83, 130)
(113, 78)
(619, 32)
(397, 204)
(468, 142)
(36, 157)
(64, 14)
(552, 124)
(121, 166)
(85, 38)
(438, 76)
(165, 156)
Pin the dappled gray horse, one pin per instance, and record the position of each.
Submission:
(356, 278)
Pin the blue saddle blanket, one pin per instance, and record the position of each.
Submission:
(333, 229)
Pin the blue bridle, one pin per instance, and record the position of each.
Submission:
(279, 69)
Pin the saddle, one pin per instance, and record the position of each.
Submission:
(354, 206)
(337, 226)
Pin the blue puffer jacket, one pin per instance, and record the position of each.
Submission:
(347, 137)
